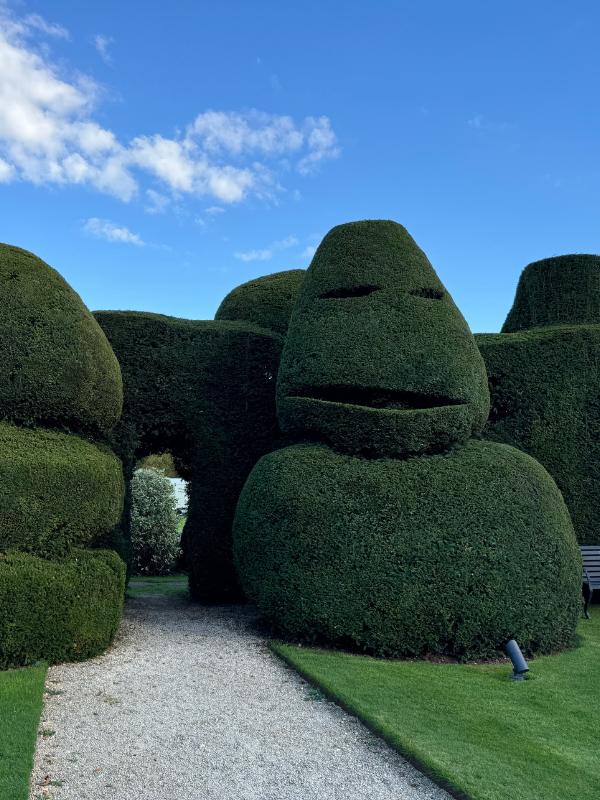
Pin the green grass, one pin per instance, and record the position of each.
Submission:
(169, 585)
(21, 697)
(472, 729)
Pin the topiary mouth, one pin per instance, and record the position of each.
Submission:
(375, 397)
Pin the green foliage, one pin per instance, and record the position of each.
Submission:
(564, 290)
(64, 610)
(472, 729)
(544, 386)
(21, 701)
(56, 491)
(378, 360)
(154, 531)
(58, 368)
(162, 462)
(446, 554)
(205, 392)
(266, 302)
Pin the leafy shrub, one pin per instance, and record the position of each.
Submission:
(58, 368)
(205, 391)
(564, 290)
(544, 386)
(154, 530)
(56, 491)
(266, 301)
(378, 359)
(64, 610)
(449, 554)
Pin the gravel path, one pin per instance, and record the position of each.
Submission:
(189, 704)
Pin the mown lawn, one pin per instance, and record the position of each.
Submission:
(145, 585)
(21, 698)
(481, 735)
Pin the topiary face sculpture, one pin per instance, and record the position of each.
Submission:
(410, 552)
(378, 359)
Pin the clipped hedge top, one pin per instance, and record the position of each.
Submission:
(563, 290)
(189, 378)
(378, 359)
(57, 365)
(266, 301)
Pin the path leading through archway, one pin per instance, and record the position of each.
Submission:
(190, 704)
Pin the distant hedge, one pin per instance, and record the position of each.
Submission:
(58, 368)
(564, 290)
(204, 390)
(265, 301)
(56, 491)
(378, 359)
(545, 400)
(65, 610)
(446, 554)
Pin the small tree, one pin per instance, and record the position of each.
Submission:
(154, 534)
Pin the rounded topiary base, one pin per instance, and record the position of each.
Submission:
(450, 554)
(58, 610)
(56, 491)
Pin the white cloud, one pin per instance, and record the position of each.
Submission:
(104, 229)
(322, 144)
(36, 22)
(157, 202)
(309, 251)
(102, 43)
(267, 253)
(213, 211)
(48, 134)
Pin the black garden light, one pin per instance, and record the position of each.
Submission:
(520, 665)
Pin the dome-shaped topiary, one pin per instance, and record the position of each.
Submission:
(56, 491)
(65, 610)
(564, 290)
(448, 554)
(58, 367)
(266, 301)
(378, 359)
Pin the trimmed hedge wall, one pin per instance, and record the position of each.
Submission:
(564, 290)
(58, 368)
(205, 390)
(58, 610)
(265, 301)
(56, 491)
(448, 554)
(378, 360)
(545, 400)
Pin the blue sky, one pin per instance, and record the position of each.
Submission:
(159, 155)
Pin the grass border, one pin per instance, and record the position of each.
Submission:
(276, 647)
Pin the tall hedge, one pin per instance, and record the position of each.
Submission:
(56, 491)
(564, 290)
(378, 359)
(57, 366)
(205, 390)
(545, 386)
(61, 610)
(266, 302)
(446, 554)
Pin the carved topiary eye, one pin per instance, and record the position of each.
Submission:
(428, 293)
(350, 291)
